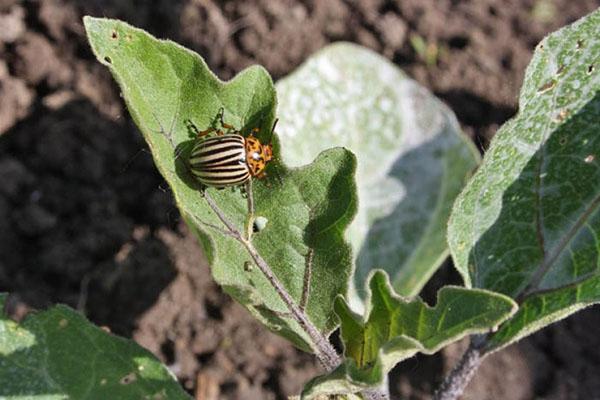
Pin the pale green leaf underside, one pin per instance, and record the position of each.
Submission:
(395, 329)
(528, 221)
(58, 354)
(412, 158)
(164, 84)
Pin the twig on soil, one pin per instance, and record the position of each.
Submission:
(455, 383)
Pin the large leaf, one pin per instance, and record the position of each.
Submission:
(412, 158)
(394, 329)
(527, 224)
(306, 210)
(58, 354)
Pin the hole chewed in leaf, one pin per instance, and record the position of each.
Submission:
(128, 379)
(108, 59)
(114, 35)
(259, 224)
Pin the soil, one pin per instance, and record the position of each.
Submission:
(88, 221)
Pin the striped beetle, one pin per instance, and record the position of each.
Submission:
(228, 159)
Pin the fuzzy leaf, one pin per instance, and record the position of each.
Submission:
(527, 224)
(394, 329)
(412, 158)
(305, 212)
(58, 354)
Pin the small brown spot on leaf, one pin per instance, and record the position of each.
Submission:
(547, 86)
(560, 117)
(103, 382)
(63, 323)
(580, 44)
(560, 70)
(128, 37)
(562, 140)
(129, 378)
(114, 35)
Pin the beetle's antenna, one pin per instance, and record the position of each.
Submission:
(273, 130)
(276, 159)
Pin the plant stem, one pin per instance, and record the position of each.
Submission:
(324, 351)
(455, 383)
(250, 217)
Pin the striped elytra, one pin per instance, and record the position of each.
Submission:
(220, 161)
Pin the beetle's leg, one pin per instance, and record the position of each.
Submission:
(228, 127)
(193, 129)
(208, 131)
(254, 132)
(243, 191)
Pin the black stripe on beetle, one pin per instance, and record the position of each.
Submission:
(228, 159)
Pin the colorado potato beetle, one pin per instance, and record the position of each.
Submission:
(228, 159)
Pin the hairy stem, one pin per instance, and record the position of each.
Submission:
(250, 217)
(455, 383)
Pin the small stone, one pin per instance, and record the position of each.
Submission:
(15, 99)
(13, 24)
(393, 30)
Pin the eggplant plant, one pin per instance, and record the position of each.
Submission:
(369, 187)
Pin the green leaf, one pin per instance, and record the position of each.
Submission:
(412, 157)
(394, 329)
(527, 224)
(304, 213)
(58, 354)
(542, 309)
